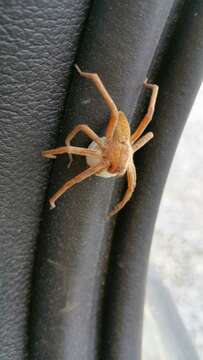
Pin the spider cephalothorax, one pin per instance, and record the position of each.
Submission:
(111, 155)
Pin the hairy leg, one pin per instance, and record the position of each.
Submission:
(142, 141)
(77, 179)
(131, 176)
(107, 98)
(150, 112)
(70, 150)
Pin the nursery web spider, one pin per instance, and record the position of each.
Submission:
(111, 155)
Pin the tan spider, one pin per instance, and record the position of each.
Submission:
(111, 155)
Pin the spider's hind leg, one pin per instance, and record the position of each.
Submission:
(70, 150)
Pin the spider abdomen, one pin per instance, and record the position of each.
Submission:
(116, 153)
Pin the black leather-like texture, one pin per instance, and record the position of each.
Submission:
(89, 273)
(38, 40)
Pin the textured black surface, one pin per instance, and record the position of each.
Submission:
(37, 44)
(75, 236)
(122, 41)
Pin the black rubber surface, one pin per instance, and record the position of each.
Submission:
(179, 78)
(75, 237)
(89, 277)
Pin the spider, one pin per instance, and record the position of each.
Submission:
(111, 155)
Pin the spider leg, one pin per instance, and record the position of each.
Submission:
(77, 179)
(131, 176)
(107, 98)
(70, 150)
(142, 141)
(85, 129)
(150, 112)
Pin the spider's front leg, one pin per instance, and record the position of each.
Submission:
(142, 141)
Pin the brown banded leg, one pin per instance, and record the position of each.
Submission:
(77, 179)
(142, 141)
(150, 112)
(70, 150)
(107, 98)
(86, 130)
(131, 176)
